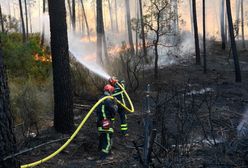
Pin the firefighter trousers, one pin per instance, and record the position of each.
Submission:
(123, 120)
(105, 142)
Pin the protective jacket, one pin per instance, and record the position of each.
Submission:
(119, 94)
(106, 110)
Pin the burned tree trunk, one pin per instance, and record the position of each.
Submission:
(130, 36)
(7, 138)
(30, 21)
(191, 16)
(111, 16)
(86, 20)
(73, 15)
(22, 20)
(233, 43)
(142, 31)
(70, 11)
(43, 25)
(26, 15)
(116, 20)
(222, 26)
(100, 31)
(242, 23)
(197, 48)
(237, 17)
(1, 19)
(63, 99)
(204, 36)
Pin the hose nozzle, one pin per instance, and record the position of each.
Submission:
(113, 80)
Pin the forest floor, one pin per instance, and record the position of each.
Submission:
(82, 152)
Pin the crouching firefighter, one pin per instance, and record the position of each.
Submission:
(119, 95)
(105, 111)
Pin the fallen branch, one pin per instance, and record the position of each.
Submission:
(36, 147)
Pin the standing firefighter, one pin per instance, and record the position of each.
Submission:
(105, 111)
(118, 94)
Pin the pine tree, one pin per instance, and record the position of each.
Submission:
(63, 99)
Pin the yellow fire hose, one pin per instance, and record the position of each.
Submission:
(80, 126)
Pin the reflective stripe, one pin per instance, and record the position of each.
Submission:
(107, 149)
(118, 93)
(123, 125)
(108, 140)
(112, 119)
(124, 129)
(123, 100)
(103, 111)
(100, 129)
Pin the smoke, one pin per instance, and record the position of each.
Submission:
(242, 129)
(85, 53)
(83, 50)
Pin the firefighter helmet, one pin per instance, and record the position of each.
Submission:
(109, 88)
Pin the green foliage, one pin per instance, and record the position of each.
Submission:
(29, 78)
(19, 57)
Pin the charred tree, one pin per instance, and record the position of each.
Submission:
(101, 42)
(70, 11)
(237, 17)
(23, 24)
(111, 15)
(26, 15)
(129, 29)
(116, 20)
(191, 16)
(160, 16)
(143, 31)
(7, 138)
(137, 30)
(233, 43)
(63, 99)
(242, 23)
(85, 19)
(99, 30)
(197, 48)
(204, 36)
(43, 24)
(1, 19)
(30, 21)
(222, 26)
(73, 15)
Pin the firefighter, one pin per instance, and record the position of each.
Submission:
(105, 111)
(119, 95)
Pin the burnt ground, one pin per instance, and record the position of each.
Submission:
(233, 97)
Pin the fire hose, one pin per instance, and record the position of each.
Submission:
(131, 109)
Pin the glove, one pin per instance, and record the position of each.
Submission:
(105, 124)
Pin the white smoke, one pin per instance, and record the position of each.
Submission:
(85, 53)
